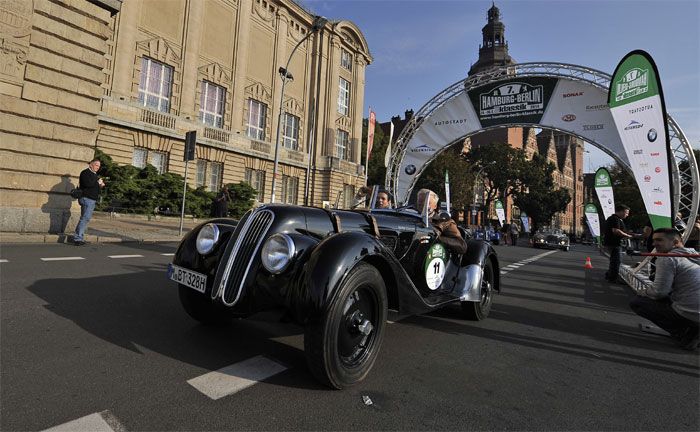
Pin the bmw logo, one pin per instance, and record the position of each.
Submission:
(410, 169)
(651, 136)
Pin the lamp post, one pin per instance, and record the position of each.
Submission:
(317, 25)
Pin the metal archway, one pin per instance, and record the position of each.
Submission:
(685, 173)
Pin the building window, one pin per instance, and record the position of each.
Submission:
(257, 119)
(215, 174)
(348, 196)
(346, 59)
(159, 160)
(256, 179)
(290, 186)
(140, 157)
(201, 173)
(155, 85)
(344, 97)
(211, 110)
(290, 132)
(342, 140)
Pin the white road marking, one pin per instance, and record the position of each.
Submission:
(63, 259)
(3, 260)
(124, 256)
(97, 422)
(236, 377)
(168, 254)
(517, 265)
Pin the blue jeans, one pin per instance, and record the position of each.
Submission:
(615, 260)
(87, 206)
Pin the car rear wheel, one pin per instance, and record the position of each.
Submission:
(202, 308)
(477, 311)
(342, 348)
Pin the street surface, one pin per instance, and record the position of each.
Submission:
(94, 338)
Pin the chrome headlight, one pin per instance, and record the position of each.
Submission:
(277, 253)
(207, 238)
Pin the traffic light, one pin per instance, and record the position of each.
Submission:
(190, 141)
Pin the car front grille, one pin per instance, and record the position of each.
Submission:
(242, 255)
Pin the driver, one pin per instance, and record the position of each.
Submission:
(448, 233)
(383, 200)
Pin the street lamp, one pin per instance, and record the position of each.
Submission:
(317, 25)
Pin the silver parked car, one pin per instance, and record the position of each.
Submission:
(551, 238)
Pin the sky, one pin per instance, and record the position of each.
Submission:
(420, 47)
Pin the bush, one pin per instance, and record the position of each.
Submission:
(145, 191)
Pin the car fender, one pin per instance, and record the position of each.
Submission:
(471, 271)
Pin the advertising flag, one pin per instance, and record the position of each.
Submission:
(370, 134)
(387, 155)
(637, 105)
(526, 222)
(603, 188)
(500, 212)
(592, 218)
(447, 192)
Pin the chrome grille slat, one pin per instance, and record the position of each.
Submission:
(247, 245)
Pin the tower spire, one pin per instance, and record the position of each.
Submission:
(493, 50)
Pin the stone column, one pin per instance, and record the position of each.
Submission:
(280, 60)
(240, 60)
(359, 92)
(125, 50)
(190, 63)
(332, 86)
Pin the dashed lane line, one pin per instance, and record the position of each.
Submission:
(124, 256)
(74, 258)
(103, 421)
(519, 264)
(3, 260)
(236, 377)
(168, 254)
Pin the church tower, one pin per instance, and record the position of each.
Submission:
(494, 48)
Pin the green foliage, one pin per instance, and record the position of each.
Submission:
(376, 172)
(461, 177)
(537, 196)
(145, 191)
(626, 191)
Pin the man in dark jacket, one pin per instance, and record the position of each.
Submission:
(445, 227)
(614, 234)
(90, 184)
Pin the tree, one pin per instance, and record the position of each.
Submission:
(461, 177)
(376, 171)
(502, 165)
(626, 191)
(537, 196)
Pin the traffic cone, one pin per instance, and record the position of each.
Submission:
(588, 264)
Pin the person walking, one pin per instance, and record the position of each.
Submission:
(514, 233)
(90, 184)
(614, 235)
(221, 202)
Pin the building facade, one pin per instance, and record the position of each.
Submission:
(213, 66)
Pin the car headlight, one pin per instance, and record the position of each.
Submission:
(277, 253)
(207, 238)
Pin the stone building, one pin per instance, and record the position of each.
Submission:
(166, 67)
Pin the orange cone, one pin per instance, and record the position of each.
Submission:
(588, 263)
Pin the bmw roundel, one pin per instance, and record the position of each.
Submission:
(651, 136)
(410, 169)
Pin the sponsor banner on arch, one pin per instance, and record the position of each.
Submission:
(603, 188)
(636, 102)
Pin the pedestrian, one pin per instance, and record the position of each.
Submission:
(615, 233)
(90, 184)
(505, 234)
(673, 301)
(221, 202)
(514, 233)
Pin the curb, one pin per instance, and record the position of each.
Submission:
(65, 239)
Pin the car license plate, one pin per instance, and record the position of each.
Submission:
(194, 280)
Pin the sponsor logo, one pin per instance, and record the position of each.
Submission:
(651, 135)
(568, 117)
(634, 83)
(449, 122)
(643, 164)
(634, 124)
(568, 95)
(657, 169)
(511, 98)
(658, 203)
(596, 107)
(640, 109)
(638, 152)
(422, 149)
(591, 127)
(654, 154)
(647, 179)
(410, 169)
(657, 190)
(601, 179)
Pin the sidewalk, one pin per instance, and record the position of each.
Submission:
(105, 228)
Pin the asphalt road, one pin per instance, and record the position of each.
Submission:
(105, 337)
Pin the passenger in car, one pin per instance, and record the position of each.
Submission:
(384, 200)
(446, 228)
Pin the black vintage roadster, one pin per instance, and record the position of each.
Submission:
(336, 272)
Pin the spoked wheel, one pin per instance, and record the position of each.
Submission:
(477, 311)
(341, 349)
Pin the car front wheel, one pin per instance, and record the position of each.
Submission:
(477, 311)
(342, 348)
